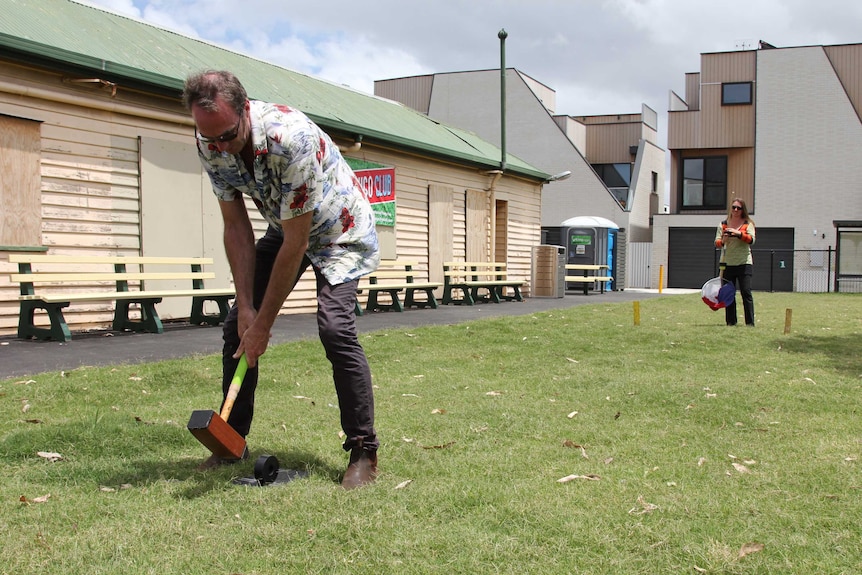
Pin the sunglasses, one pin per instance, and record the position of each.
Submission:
(228, 136)
(731, 207)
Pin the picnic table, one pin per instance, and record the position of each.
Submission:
(589, 276)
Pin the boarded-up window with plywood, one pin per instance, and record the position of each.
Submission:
(440, 229)
(20, 183)
(478, 227)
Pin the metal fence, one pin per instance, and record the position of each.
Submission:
(811, 271)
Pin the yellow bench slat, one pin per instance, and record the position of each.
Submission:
(382, 287)
(39, 277)
(589, 279)
(397, 263)
(59, 259)
(114, 295)
(391, 274)
(479, 265)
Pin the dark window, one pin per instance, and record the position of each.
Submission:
(735, 93)
(704, 183)
(614, 175)
(618, 178)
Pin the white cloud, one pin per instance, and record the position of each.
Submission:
(601, 57)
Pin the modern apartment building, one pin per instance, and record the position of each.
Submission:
(616, 168)
(779, 128)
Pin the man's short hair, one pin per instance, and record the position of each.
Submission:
(202, 89)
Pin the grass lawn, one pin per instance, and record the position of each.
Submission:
(572, 441)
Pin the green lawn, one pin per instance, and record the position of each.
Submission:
(688, 447)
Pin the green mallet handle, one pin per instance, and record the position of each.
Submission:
(235, 384)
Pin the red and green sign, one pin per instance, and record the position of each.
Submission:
(379, 186)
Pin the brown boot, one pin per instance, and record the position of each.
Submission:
(361, 470)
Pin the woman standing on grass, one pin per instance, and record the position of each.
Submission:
(736, 235)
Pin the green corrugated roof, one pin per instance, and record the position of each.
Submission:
(72, 36)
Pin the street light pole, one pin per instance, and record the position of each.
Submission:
(502, 36)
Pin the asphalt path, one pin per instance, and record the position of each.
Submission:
(21, 358)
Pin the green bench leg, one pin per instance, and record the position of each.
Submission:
(59, 330)
(448, 299)
(447, 295)
(411, 301)
(516, 296)
(149, 321)
(493, 294)
(373, 305)
(468, 297)
(198, 317)
(371, 302)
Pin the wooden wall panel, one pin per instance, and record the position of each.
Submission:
(478, 218)
(20, 223)
(610, 143)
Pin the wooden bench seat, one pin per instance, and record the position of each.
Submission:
(469, 278)
(392, 277)
(589, 277)
(64, 280)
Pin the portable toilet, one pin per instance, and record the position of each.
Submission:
(589, 240)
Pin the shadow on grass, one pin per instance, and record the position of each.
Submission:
(842, 351)
(112, 451)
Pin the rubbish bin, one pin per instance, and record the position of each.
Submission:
(549, 271)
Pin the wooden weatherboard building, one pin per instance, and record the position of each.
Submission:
(97, 157)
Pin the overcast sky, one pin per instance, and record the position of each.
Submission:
(600, 56)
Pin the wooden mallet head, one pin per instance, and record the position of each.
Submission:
(212, 429)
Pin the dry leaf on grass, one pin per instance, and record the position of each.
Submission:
(438, 411)
(572, 414)
(42, 499)
(645, 507)
(50, 456)
(404, 484)
(572, 444)
(750, 548)
(442, 446)
(494, 393)
(588, 477)
(740, 467)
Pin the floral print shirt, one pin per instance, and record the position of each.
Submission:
(298, 169)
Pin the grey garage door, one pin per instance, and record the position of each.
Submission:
(693, 259)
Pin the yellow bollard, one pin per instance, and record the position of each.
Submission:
(637, 309)
(660, 277)
(788, 316)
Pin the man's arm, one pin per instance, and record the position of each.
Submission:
(239, 247)
(281, 282)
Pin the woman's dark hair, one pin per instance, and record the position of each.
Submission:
(203, 88)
